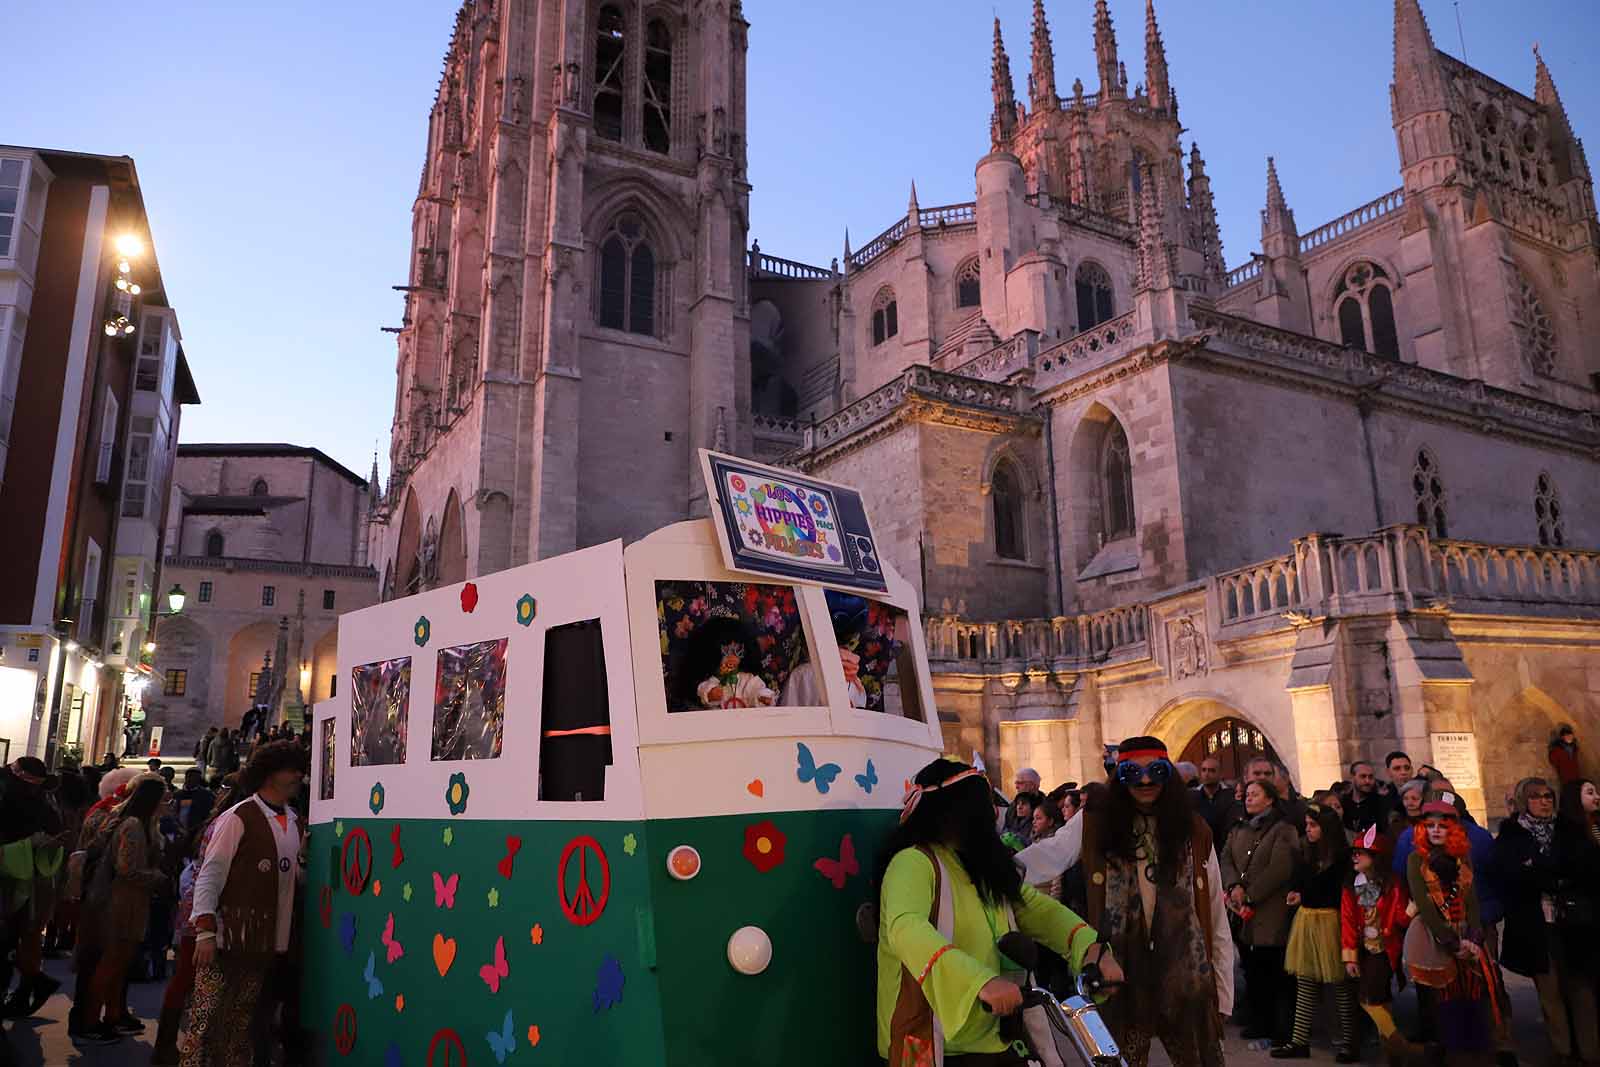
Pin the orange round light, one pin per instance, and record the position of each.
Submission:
(683, 862)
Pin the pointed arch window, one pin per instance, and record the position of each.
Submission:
(658, 86)
(1365, 307)
(1116, 484)
(885, 316)
(1428, 486)
(1006, 500)
(610, 54)
(215, 547)
(1094, 295)
(258, 487)
(969, 294)
(628, 277)
(1547, 511)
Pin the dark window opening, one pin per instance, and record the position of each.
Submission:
(609, 51)
(969, 293)
(642, 291)
(1006, 496)
(259, 488)
(214, 544)
(1093, 287)
(613, 282)
(175, 684)
(327, 599)
(885, 319)
(658, 87)
(205, 592)
(1351, 332)
(575, 714)
(628, 278)
(1117, 481)
(269, 595)
(1385, 340)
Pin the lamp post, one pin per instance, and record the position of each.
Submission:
(175, 599)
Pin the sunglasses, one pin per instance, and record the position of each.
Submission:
(1157, 772)
(1541, 796)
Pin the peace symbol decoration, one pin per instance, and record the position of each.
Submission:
(344, 1029)
(355, 861)
(446, 1050)
(584, 906)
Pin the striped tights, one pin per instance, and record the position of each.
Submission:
(1308, 998)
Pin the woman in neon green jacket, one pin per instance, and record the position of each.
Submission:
(949, 890)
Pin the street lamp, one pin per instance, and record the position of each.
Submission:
(175, 598)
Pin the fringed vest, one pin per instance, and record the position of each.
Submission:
(247, 911)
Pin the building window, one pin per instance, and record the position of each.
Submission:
(1429, 489)
(327, 600)
(215, 545)
(1366, 311)
(255, 684)
(269, 594)
(175, 684)
(205, 592)
(152, 352)
(628, 277)
(885, 316)
(610, 50)
(1536, 333)
(968, 292)
(11, 175)
(12, 326)
(110, 413)
(1547, 510)
(658, 86)
(88, 599)
(1116, 484)
(136, 485)
(258, 487)
(333, 685)
(1005, 493)
(1094, 296)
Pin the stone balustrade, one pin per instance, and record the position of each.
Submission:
(1257, 591)
(928, 218)
(1348, 223)
(916, 381)
(1065, 641)
(997, 363)
(948, 215)
(1245, 272)
(762, 265)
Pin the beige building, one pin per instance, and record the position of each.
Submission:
(266, 542)
(1337, 500)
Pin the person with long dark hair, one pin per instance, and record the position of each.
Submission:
(948, 891)
(1313, 955)
(1154, 891)
(1577, 917)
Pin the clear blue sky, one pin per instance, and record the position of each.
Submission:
(279, 145)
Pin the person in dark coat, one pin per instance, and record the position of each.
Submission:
(1563, 754)
(1212, 800)
(1366, 806)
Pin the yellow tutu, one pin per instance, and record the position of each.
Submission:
(1313, 950)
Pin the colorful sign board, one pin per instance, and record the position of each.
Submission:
(776, 522)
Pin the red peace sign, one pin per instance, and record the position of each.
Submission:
(344, 1029)
(584, 907)
(356, 861)
(446, 1050)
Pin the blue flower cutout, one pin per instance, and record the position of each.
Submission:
(420, 632)
(456, 793)
(526, 609)
(375, 799)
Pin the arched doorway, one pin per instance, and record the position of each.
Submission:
(1233, 741)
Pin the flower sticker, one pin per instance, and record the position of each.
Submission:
(420, 632)
(763, 845)
(375, 798)
(469, 597)
(743, 505)
(737, 483)
(526, 608)
(820, 506)
(630, 844)
(456, 793)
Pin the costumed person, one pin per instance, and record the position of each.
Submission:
(1313, 955)
(948, 891)
(1372, 921)
(803, 689)
(1444, 949)
(1154, 891)
(243, 913)
(722, 660)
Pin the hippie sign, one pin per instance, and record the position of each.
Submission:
(776, 522)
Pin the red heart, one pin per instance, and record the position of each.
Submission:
(513, 846)
(469, 597)
(756, 788)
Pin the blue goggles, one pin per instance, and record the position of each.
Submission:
(1158, 772)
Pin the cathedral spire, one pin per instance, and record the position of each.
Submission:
(1042, 83)
(846, 259)
(1279, 238)
(1419, 83)
(1544, 87)
(1105, 51)
(1004, 122)
(912, 204)
(1155, 251)
(1156, 81)
(1203, 208)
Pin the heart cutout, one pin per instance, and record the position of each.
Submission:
(444, 953)
(756, 788)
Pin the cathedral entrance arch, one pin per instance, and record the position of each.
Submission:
(1202, 726)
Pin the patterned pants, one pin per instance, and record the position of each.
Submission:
(220, 1011)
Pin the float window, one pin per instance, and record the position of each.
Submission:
(469, 701)
(575, 715)
(733, 646)
(878, 637)
(325, 783)
(380, 699)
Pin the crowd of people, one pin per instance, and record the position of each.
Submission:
(138, 878)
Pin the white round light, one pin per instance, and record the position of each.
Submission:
(683, 862)
(749, 950)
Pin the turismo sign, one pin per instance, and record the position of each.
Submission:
(776, 522)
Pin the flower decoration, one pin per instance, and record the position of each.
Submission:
(420, 632)
(469, 597)
(763, 845)
(526, 608)
(820, 506)
(743, 505)
(456, 793)
(738, 483)
(375, 798)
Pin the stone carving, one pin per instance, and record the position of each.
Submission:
(519, 99)
(1189, 657)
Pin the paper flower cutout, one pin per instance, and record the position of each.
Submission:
(405, 891)
(455, 795)
(399, 1002)
(377, 888)
(469, 597)
(533, 1035)
(449, 836)
(494, 897)
(536, 935)
(763, 845)
(338, 828)
(630, 844)
(375, 798)
(420, 632)
(526, 609)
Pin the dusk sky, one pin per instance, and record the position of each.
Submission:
(279, 145)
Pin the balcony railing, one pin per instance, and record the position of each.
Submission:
(1351, 221)
(1065, 640)
(762, 265)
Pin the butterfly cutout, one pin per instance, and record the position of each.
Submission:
(347, 931)
(608, 984)
(839, 870)
(374, 987)
(399, 853)
(492, 972)
(444, 892)
(393, 950)
(808, 771)
(868, 780)
(392, 1057)
(502, 1043)
(513, 846)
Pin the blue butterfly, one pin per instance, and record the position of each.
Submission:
(608, 984)
(392, 1057)
(808, 771)
(347, 932)
(868, 780)
(374, 987)
(502, 1043)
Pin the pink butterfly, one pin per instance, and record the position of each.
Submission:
(394, 951)
(491, 973)
(837, 871)
(444, 892)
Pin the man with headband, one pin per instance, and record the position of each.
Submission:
(1155, 895)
